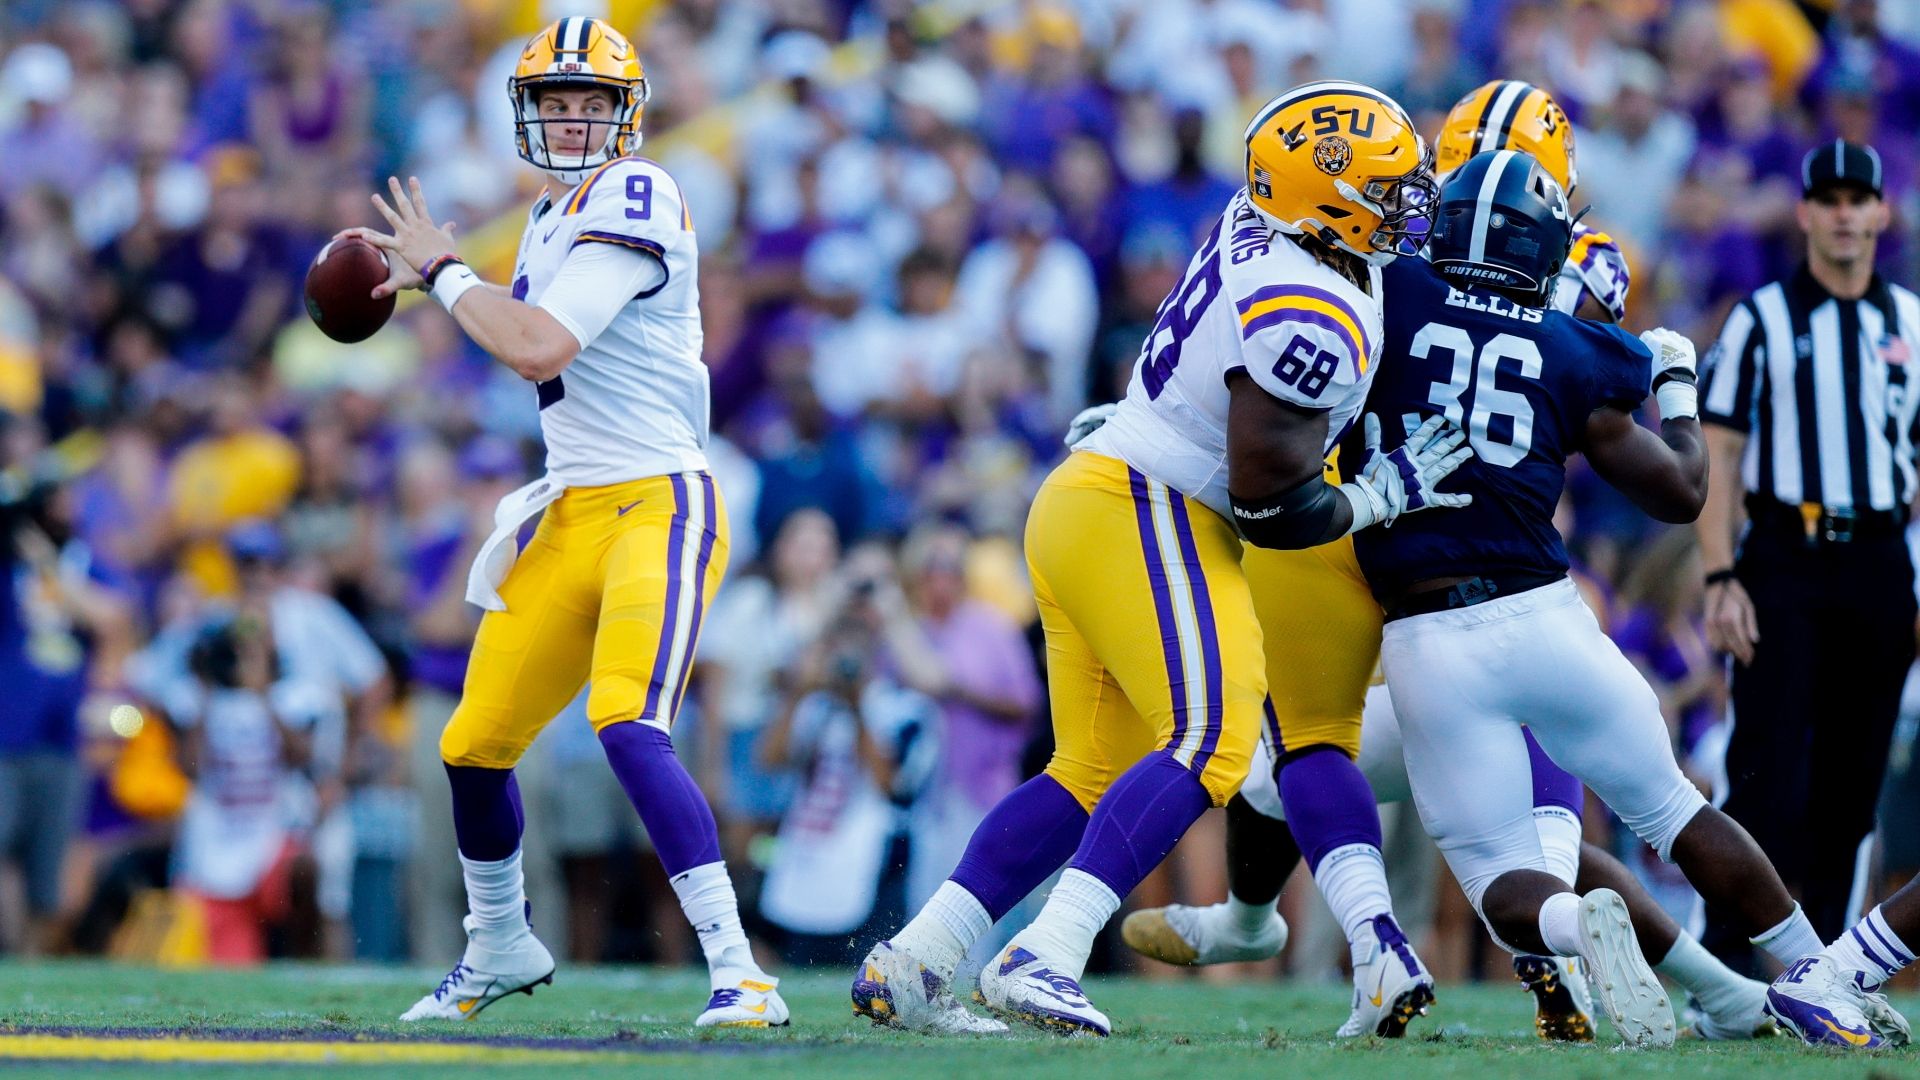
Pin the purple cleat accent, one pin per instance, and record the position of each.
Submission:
(1815, 1001)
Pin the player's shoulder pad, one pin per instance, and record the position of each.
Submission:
(1595, 335)
(1306, 337)
(1618, 365)
(629, 201)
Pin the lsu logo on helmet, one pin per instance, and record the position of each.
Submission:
(573, 53)
(1507, 114)
(1366, 184)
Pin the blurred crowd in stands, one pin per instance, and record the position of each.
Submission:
(232, 621)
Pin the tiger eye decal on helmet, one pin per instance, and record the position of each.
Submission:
(1341, 162)
(1508, 114)
(576, 53)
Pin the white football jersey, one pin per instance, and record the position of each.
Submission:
(634, 403)
(1252, 300)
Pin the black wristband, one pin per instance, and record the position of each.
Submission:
(1719, 577)
(434, 266)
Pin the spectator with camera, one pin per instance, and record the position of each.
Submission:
(863, 743)
(320, 649)
(248, 735)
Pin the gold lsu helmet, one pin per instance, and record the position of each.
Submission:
(578, 52)
(1507, 114)
(1342, 163)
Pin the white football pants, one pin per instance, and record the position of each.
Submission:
(1464, 681)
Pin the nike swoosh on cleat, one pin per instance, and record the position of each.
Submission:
(760, 1008)
(1852, 1038)
(1377, 998)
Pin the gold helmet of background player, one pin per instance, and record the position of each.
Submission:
(1341, 163)
(578, 52)
(1508, 114)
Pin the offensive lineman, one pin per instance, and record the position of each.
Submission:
(1259, 361)
(604, 317)
(1503, 114)
(1485, 632)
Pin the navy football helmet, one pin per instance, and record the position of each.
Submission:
(1503, 223)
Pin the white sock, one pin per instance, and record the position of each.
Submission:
(1353, 879)
(496, 898)
(1712, 983)
(706, 895)
(1560, 924)
(945, 929)
(1559, 833)
(1247, 921)
(1075, 911)
(1792, 939)
(1871, 948)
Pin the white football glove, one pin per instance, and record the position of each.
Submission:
(1675, 382)
(1406, 479)
(1087, 422)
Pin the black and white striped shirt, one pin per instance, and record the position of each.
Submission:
(1824, 389)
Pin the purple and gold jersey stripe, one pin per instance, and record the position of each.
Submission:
(580, 194)
(599, 236)
(1189, 639)
(1304, 303)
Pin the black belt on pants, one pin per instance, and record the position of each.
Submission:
(1474, 590)
(1817, 524)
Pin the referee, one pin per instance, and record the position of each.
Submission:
(1810, 402)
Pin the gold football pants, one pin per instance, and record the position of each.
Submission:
(611, 589)
(1151, 637)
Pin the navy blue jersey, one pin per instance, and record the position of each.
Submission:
(1521, 383)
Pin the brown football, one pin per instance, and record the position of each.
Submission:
(340, 290)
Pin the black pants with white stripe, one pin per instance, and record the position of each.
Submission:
(1814, 712)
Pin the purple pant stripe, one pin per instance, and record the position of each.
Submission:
(1273, 726)
(1209, 633)
(1553, 785)
(1868, 949)
(1897, 954)
(676, 539)
(1162, 604)
(699, 591)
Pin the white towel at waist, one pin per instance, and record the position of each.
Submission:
(496, 556)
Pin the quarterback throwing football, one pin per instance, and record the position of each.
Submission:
(603, 316)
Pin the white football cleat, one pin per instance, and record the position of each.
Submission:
(748, 1001)
(1745, 1018)
(1818, 1002)
(892, 989)
(1628, 989)
(1021, 986)
(485, 975)
(1198, 936)
(1390, 987)
(1562, 1002)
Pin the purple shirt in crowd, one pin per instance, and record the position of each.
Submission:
(987, 656)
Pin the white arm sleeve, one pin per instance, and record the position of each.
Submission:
(596, 281)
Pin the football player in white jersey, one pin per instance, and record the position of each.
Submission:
(603, 316)
(1259, 362)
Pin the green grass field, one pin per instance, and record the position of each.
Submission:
(608, 1022)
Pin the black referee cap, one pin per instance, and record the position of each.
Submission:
(1840, 162)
